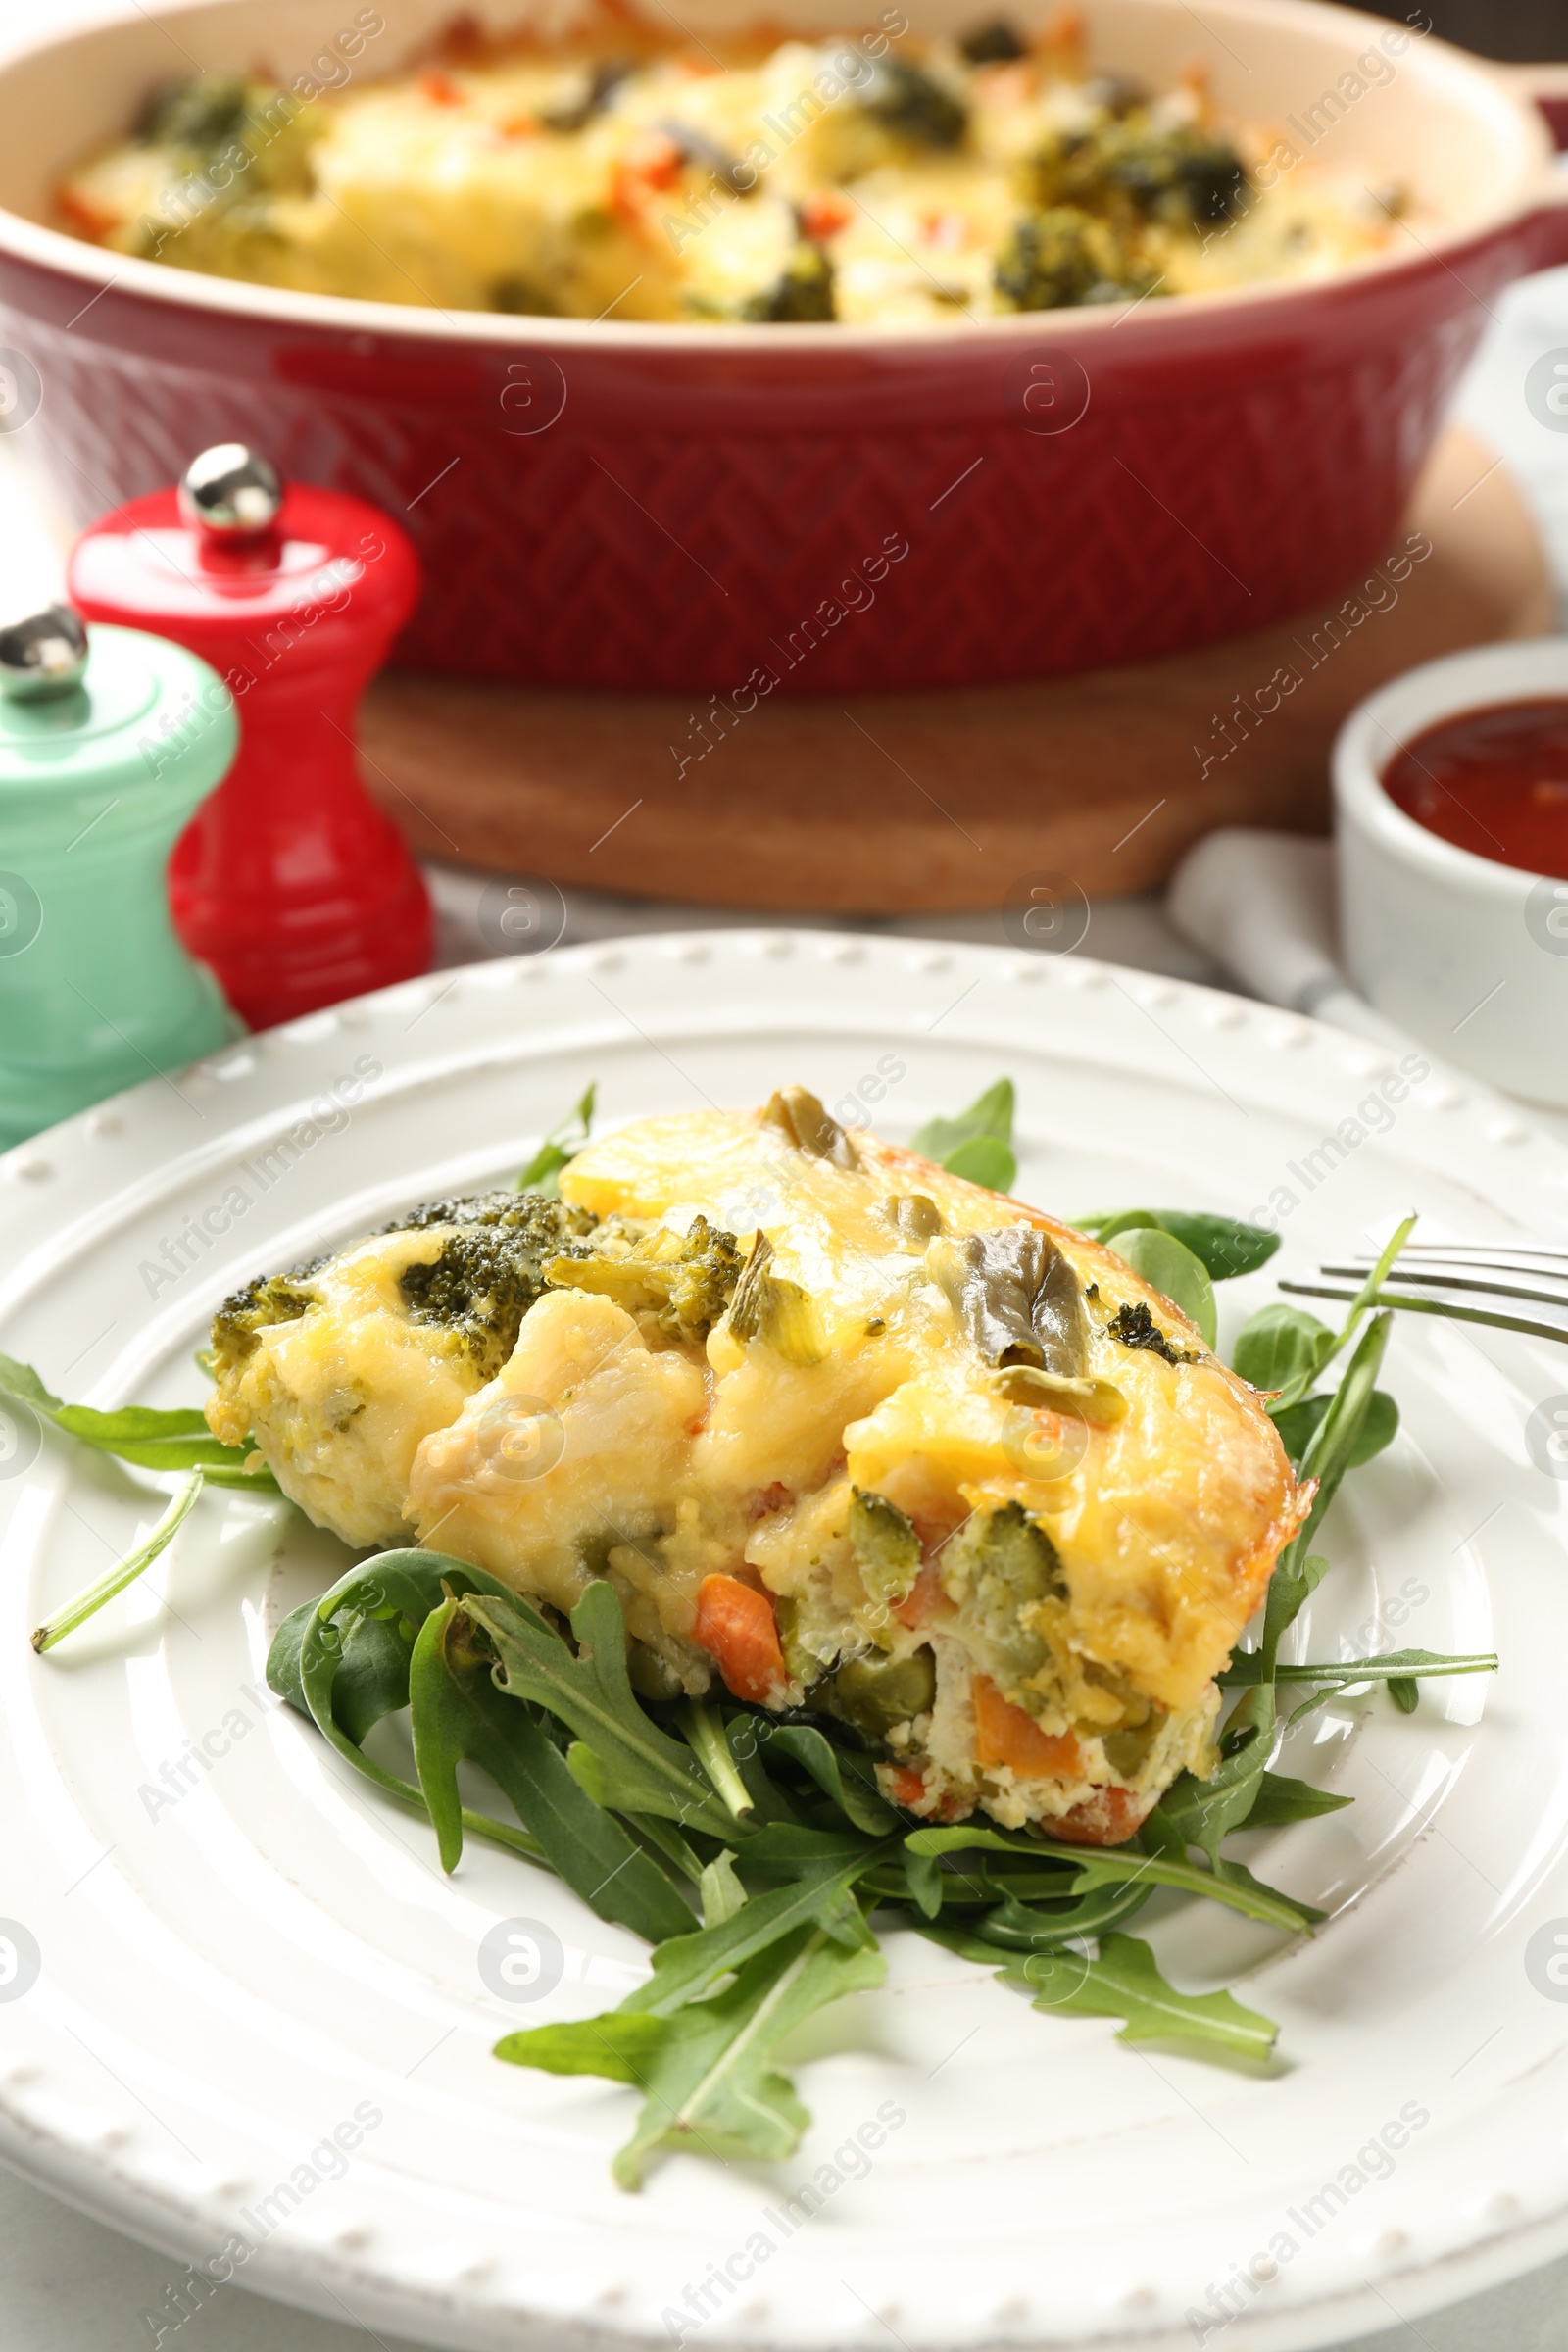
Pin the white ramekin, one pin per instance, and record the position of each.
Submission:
(1470, 956)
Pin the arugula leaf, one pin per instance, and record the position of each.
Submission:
(837, 1773)
(1326, 1459)
(372, 1675)
(1299, 1424)
(1241, 1881)
(1157, 1257)
(635, 1765)
(923, 1877)
(712, 2084)
(283, 1658)
(703, 1725)
(1245, 1669)
(153, 1440)
(1280, 1799)
(722, 1894)
(1334, 1443)
(1226, 1247)
(561, 1144)
(1053, 1927)
(1124, 1981)
(617, 2047)
(125, 1572)
(978, 1143)
(981, 1837)
(708, 2069)
(456, 1711)
(1281, 1348)
(770, 1801)
(687, 1967)
(663, 1838)
(313, 1666)
(1126, 1865)
(1204, 1812)
(308, 1651)
(1290, 1586)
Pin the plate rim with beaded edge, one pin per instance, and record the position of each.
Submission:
(265, 1984)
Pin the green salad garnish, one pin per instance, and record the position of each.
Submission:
(756, 1856)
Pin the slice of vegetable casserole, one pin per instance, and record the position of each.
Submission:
(856, 1435)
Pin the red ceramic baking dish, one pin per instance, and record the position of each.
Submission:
(834, 508)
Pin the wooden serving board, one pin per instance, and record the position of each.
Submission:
(903, 803)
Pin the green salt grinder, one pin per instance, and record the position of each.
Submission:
(105, 748)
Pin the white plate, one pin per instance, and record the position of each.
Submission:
(227, 1978)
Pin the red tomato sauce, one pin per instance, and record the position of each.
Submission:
(1494, 781)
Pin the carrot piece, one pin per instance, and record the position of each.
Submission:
(87, 218)
(924, 1600)
(735, 1625)
(652, 160)
(823, 213)
(908, 1786)
(1107, 1818)
(440, 87)
(1005, 1734)
(942, 229)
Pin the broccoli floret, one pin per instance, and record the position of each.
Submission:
(802, 295)
(886, 1549)
(488, 1208)
(996, 1565)
(202, 115)
(1185, 178)
(1135, 1327)
(703, 1279)
(1062, 259)
(491, 1270)
(914, 106)
(687, 1280)
(994, 43)
(521, 298)
(206, 120)
(271, 1299)
(1140, 171)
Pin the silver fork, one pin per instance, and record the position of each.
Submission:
(1474, 1266)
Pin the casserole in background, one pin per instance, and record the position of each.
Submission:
(654, 506)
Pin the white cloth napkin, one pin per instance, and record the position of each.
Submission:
(1262, 906)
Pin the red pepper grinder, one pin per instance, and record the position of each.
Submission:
(289, 883)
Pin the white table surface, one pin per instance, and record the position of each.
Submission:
(69, 2284)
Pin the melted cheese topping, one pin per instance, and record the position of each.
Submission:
(609, 1446)
(1168, 1525)
(809, 182)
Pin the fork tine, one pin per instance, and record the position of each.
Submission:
(1517, 1260)
(1437, 1306)
(1458, 1282)
(1482, 1249)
